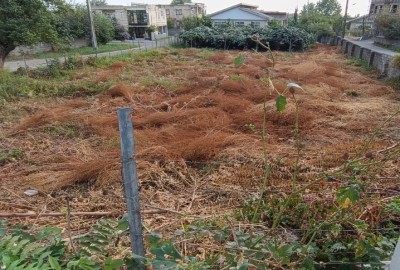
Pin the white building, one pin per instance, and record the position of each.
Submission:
(137, 18)
(176, 13)
(240, 15)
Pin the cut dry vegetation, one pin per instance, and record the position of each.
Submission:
(198, 122)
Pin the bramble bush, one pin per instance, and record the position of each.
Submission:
(388, 25)
(286, 38)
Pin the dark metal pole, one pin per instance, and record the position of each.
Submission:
(92, 31)
(131, 185)
(345, 19)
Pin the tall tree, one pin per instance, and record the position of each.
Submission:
(177, 2)
(99, 3)
(321, 19)
(26, 22)
(329, 8)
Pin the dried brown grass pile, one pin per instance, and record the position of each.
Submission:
(118, 65)
(105, 126)
(61, 114)
(250, 71)
(94, 172)
(232, 86)
(212, 115)
(221, 58)
(172, 176)
(258, 60)
(119, 90)
(196, 118)
(203, 147)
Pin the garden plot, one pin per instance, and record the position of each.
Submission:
(198, 122)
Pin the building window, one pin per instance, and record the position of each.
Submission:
(380, 9)
(137, 17)
(167, 12)
(219, 24)
(239, 24)
(393, 8)
(179, 12)
(256, 24)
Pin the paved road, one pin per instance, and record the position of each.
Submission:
(369, 44)
(34, 63)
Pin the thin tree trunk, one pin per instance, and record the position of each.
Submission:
(4, 51)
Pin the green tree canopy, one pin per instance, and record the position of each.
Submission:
(177, 2)
(321, 19)
(99, 3)
(329, 8)
(26, 22)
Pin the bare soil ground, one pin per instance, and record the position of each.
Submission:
(197, 122)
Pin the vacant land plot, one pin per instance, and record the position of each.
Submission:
(198, 123)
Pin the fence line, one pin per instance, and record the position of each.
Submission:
(64, 58)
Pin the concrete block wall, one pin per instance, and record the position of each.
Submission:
(374, 59)
(44, 47)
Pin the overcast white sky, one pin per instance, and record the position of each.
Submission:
(355, 6)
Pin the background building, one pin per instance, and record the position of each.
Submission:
(380, 6)
(138, 19)
(176, 13)
(245, 14)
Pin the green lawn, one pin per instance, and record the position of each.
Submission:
(82, 51)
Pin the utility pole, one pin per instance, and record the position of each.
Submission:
(92, 31)
(345, 19)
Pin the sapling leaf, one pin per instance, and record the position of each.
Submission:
(239, 60)
(281, 103)
(123, 224)
(153, 239)
(308, 263)
(346, 196)
(54, 263)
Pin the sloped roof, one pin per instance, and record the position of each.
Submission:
(367, 18)
(276, 14)
(241, 5)
(257, 13)
(251, 9)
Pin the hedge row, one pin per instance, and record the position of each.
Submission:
(285, 38)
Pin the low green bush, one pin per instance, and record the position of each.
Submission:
(286, 38)
(396, 61)
(388, 25)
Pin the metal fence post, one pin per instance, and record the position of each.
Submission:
(130, 180)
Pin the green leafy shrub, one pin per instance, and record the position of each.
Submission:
(104, 27)
(230, 37)
(193, 22)
(396, 61)
(388, 25)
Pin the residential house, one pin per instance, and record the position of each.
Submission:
(137, 18)
(176, 13)
(382, 6)
(361, 25)
(281, 17)
(240, 15)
